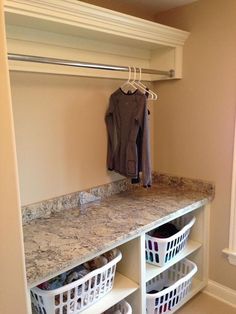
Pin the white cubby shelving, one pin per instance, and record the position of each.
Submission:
(133, 272)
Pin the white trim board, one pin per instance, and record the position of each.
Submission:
(222, 293)
(231, 255)
(90, 17)
(231, 250)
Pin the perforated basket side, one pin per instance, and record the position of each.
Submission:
(123, 306)
(160, 251)
(78, 295)
(178, 279)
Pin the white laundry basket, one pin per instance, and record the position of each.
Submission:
(122, 307)
(173, 285)
(160, 251)
(78, 295)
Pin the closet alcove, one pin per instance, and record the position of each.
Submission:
(76, 31)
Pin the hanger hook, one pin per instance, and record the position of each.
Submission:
(134, 69)
(129, 73)
(140, 74)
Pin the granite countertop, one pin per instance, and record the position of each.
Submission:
(68, 238)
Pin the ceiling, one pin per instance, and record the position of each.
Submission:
(160, 5)
(146, 9)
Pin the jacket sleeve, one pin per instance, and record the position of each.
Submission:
(109, 119)
(146, 153)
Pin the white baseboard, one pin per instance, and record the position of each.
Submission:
(220, 292)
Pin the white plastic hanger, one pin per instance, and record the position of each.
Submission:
(129, 82)
(137, 82)
(140, 85)
(149, 91)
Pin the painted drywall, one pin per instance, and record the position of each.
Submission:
(12, 268)
(194, 120)
(61, 136)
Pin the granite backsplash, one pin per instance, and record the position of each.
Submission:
(46, 208)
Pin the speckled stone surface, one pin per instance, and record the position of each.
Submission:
(184, 183)
(69, 237)
(47, 207)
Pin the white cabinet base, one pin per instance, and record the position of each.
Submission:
(133, 272)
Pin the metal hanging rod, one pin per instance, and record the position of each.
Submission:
(28, 58)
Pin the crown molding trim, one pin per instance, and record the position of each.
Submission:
(83, 15)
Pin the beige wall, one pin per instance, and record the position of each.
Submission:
(194, 119)
(12, 268)
(60, 133)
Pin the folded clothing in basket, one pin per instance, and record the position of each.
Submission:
(165, 231)
(156, 291)
(78, 272)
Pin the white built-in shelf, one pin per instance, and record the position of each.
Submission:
(123, 287)
(79, 31)
(153, 271)
(133, 271)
